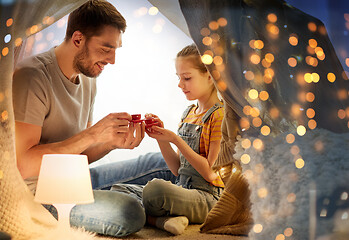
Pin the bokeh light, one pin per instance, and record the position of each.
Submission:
(299, 163)
(245, 158)
(301, 130)
(258, 228)
(290, 138)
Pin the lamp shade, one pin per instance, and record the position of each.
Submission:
(64, 179)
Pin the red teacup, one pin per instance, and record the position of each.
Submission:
(136, 118)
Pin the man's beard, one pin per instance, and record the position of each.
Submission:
(82, 64)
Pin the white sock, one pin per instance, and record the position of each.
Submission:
(174, 225)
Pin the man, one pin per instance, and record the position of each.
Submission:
(53, 102)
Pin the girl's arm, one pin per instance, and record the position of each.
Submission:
(200, 163)
(170, 156)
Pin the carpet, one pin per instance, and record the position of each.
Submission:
(191, 232)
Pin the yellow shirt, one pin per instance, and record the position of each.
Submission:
(211, 131)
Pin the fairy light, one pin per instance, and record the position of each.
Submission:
(293, 40)
(312, 43)
(312, 26)
(254, 112)
(299, 163)
(257, 122)
(269, 72)
(315, 77)
(245, 158)
(296, 110)
(265, 130)
(257, 144)
(274, 112)
(294, 150)
(347, 62)
(247, 110)
(207, 59)
(310, 97)
(301, 130)
(273, 29)
(269, 57)
(4, 51)
(253, 94)
(251, 43)
(292, 62)
(264, 95)
(312, 124)
(288, 232)
(267, 79)
(153, 11)
(290, 138)
(344, 196)
(207, 41)
(217, 60)
(265, 63)
(272, 17)
(205, 31)
(244, 124)
(310, 113)
(291, 198)
(246, 143)
(222, 86)
(280, 237)
(213, 25)
(18, 42)
(319, 146)
(259, 44)
(255, 59)
(258, 228)
(249, 75)
(310, 50)
(341, 114)
(222, 22)
(342, 94)
(311, 61)
(262, 192)
(331, 77)
(4, 115)
(248, 174)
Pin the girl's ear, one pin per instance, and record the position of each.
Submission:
(210, 79)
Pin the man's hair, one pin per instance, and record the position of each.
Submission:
(192, 54)
(92, 16)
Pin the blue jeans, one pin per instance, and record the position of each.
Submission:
(117, 213)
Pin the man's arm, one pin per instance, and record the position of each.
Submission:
(109, 133)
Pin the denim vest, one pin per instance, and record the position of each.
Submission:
(188, 177)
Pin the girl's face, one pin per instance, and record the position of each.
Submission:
(194, 84)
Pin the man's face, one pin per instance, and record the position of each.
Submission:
(97, 52)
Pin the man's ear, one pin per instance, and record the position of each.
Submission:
(78, 39)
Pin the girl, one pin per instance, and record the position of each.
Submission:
(168, 206)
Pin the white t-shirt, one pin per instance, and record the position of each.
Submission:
(43, 96)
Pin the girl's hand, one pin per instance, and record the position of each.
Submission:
(161, 134)
(156, 119)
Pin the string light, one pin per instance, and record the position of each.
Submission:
(258, 228)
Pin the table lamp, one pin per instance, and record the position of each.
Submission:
(64, 181)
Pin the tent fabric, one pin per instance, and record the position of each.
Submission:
(259, 47)
(20, 216)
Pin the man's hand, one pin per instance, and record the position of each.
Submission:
(116, 131)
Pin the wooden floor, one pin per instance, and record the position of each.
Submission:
(192, 233)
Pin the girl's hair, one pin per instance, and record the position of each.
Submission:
(192, 53)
